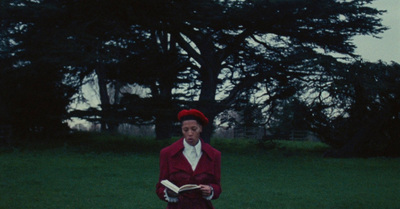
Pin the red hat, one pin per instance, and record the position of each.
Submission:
(193, 114)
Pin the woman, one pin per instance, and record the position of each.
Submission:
(190, 161)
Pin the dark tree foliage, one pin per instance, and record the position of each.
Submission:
(125, 43)
(100, 30)
(288, 115)
(368, 96)
(33, 91)
(239, 44)
(204, 54)
(157, 68)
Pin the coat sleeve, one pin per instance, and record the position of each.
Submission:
(164, 174)
(217, 185)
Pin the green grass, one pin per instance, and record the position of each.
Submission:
(270, 181)
(292, 175)
(60, 179)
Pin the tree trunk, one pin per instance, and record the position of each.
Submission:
(207, 101)
(210, 62)
(163, 127)
(106, 120)
(166, 112)
(209, 129)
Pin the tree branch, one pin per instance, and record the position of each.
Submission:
(189, 48)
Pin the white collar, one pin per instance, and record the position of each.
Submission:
(187, 146)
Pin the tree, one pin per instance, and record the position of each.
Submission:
(147, 55)
(275, 43)
(289, 114)
(159, 67)
(239, 46)
(212, 53)
(368, 96)
(33, 90)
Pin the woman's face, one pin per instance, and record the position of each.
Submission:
(191, 130)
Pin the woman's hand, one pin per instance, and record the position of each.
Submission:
(206, 190)
(171, 193)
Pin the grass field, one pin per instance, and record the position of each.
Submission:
(292, 175)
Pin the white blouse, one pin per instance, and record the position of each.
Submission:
(192, 153)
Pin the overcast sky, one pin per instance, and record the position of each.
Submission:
(388, 47)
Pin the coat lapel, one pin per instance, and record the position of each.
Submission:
(205, 164)
(178, 160)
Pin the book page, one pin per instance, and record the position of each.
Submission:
(176, 189)
(188, 187)
(170, 186)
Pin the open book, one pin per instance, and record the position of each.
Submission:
(177, 189)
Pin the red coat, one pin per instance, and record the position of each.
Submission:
(175, 167)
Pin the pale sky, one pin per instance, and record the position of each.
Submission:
(387, 48)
